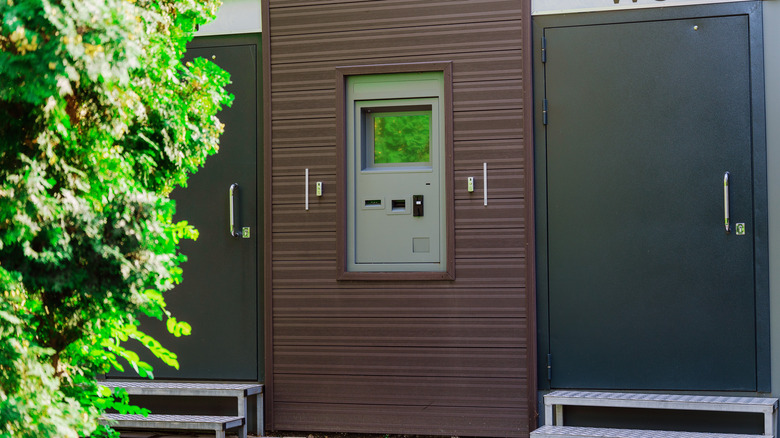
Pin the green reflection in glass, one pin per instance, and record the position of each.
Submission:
(402, 138)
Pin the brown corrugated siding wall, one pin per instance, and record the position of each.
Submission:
(415, 357)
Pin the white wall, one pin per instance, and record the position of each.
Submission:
(772, 81)
(558, 6)
(233, 17)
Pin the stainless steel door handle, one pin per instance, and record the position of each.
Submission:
(234, 201)
(726, 201)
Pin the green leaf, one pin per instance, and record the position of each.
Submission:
(104, 391)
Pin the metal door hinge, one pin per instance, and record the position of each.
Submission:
(549, 367)
(544, 111)
(544, 49)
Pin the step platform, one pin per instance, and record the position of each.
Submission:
(217, 424)
(555, 401)
(242, 392)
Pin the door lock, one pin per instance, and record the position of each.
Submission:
(417, 206)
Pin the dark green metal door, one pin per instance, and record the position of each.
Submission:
(647, 289)
(220, 293)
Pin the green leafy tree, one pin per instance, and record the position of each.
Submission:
(402, 138)
(99, 121)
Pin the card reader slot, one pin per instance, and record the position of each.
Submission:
(373, 204)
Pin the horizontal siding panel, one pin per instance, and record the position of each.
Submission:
(313, 274)
(469, 214)
(502, 184)
(354, 17)
(499, 273)
(292, 189)
(372, 301)
(310, 132)
(490, 243)
(449, 421)
(500, 154)
(485, 96)
(467, 125)
(403, 357)
(306, 75)
(468, 155)
(499, 213)
(401, 332)
(491, 272)
(442, 39)
(488, 125)
(399, 390)
(304, 104)
(305, 246)
(504, 190)
(401, 361)
(288, 189)
(293, 161)
(294, 217)
(467, 96)
(469, 244)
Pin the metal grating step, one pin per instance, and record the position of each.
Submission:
(663, 401)
(595, 432)
(185, 388)
(218, 424)
(555, 401)
(242, 392)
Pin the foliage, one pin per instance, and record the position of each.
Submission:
(99, 120)
(402, 138)
(29, 388)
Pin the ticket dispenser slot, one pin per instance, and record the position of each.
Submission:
(400, 205)
(395, 155)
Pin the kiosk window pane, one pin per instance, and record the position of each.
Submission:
(402, 138)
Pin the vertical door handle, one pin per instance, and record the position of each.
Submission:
(484, 183)
(726, 201)
(234, 213)
(306, 190)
